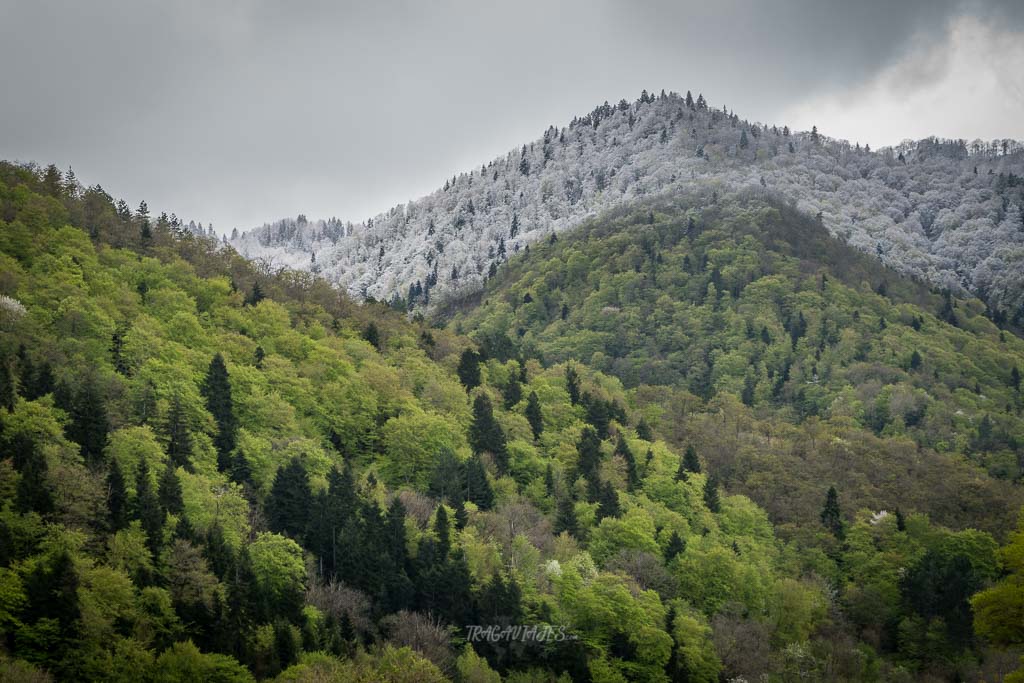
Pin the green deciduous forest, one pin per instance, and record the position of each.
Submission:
(696, 437)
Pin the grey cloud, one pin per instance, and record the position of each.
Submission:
(240, 112)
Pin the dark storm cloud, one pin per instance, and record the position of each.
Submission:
(239, 112)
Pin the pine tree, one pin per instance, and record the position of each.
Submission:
(485, 434)
(478, 487)
(372, 335)
(1015, 378)
(534, 415)
(461, 515)
(179, 439)
(255, 296)
(676, 545)
(443, 533)
(258, 357)
(549, 480)
(217, 391)
(572, 384)
(901, 522)
(89, 424)
(608, 502)
(513, 392)
(688, 463)
(831, 515)
(711, 499)
(469, 369)
(117, 497)
(643, 430)
(565, 517)
(169, 491)
(33, 491)
(623, 450)
(288, 505)
(7, 387)
(147, 508)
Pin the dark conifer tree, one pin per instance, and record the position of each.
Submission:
(643, 430)
(7, 387)
(901, 522)
(217, 391)
(179, 439)
(147, 508)
(676, 545)
(169, 491)
(632, 476)
(688, 463)
(255, 296)
(258, 357)
(534, 415)
(589, 449)
(485, 434)
(89, 424)
(513, 392)
(478, 487)
(372, 335)
(711, 499)
(572, 384)
(288, 505)
(549, 480)
(447, 482)
(831, 515)
(461, 515)
(443, 533)
(608, 502)
(117, 497)
(42, 382)
(565, 517)
(469, 369)
(33, 491)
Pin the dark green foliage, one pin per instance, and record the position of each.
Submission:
(565, 518)
(534, 415)
(572, 384)
(643, 430)
(447, 481)
(179, 438)
(117, 497)
(486, 435)
(117, 353)
(89, 425)
(711, 499)
(258, 357)
(589, 449)
(7, 387)
(288, 505)
(169, 491)
(33, 491)
(688, 463)
(901, 522)
(217, 390)
(255, 296)
(632, 476)
(372, 335)
(1015, 378)
(147, 508)
(286, 649)
(469, 369)
(512, 392)
(443, 532)
(915, 361)
(939, 587)
(478, 487)
(831, 515)
(51, 592)
(675, 546)
(608, 502)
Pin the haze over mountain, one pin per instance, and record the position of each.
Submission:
(944, 211)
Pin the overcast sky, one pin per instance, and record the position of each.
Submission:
(240, 112)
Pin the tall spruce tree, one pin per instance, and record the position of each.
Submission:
(572, 384)
(89, 424)
(485, 434)
(831, 515)
(469, 369)
(216, 389)
(478, 488)
(534, 415)
(169, 491)
(179, 439)
(117, 497)
(711, 498)
(147, 508)
(565, 517)
(288, 505)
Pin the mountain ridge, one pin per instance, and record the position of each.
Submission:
(945, 211)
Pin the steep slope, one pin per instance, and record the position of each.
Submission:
(818, 363)
(195, 454)
(943, 211)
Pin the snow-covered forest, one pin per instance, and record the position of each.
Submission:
(946, 211)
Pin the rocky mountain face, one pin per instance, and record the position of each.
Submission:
(947, 212)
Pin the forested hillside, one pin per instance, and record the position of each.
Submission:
(945, 211)
(210, 472)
